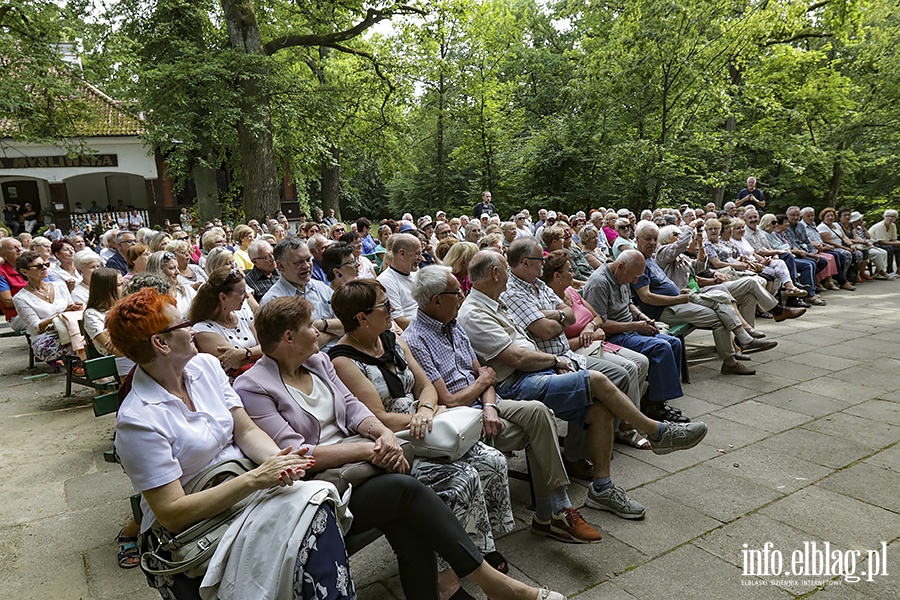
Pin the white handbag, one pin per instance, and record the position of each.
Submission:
(453, 433)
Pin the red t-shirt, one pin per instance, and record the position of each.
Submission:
(15, 282)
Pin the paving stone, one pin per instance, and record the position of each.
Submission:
(850, 393)
(815, 447)
(376, 562)
(869, 483)
(723, 496)
(727, 435)
(823, 361)
(795, 371)
(707, 578)
(21, 505)
(677, 461)
(799, 401)
(763, 382)
(719, 391)
(89, 491)
(605, 591)
(872, 434)
(870, 378)
(878, 410)
(886, 459)
(776, 471)
(836, 518)
(694, 407)
(754, 530)
(679, 522)
(630, 472)
(763, 416)
(569, 568)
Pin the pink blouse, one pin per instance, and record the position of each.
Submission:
(583, 314)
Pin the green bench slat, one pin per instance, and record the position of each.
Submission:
(105, 404)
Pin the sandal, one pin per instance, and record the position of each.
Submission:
(498, 561)
(127, 554)
(634, 439)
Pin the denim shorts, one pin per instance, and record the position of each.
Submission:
(567, 395)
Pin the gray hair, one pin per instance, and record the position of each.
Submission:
(665, 233)
(890, 213)
(431, 281)
(83, 257)
(520, 249)
(315, 241)
(766, 220)
(645, 226)
(481, 264)
(144, 280)
(110, 237)
(291, 242)
(121, 235)
(806, 210)
(255, 246)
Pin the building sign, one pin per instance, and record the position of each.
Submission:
(58, 162)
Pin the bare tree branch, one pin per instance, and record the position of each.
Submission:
(799, 36)
(373, 16)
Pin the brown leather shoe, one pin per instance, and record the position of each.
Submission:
(580, 469)
(788, 313)
(737, 369)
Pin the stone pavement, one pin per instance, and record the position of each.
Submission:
(805, 451)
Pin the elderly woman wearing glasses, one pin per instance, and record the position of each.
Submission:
(42, 307)
(179, 419)
(166, 264)
(188, 273)
(223, 322)
(379, 369)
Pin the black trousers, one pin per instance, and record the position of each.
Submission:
(417, 524)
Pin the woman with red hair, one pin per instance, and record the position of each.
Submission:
(180, 418)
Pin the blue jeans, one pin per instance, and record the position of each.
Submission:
(567, 394)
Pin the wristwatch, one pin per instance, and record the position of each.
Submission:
(561, 316)
(249, 353)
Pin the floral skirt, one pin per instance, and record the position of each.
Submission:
(46, 346)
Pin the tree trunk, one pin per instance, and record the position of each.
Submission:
(331, 183)
(207, 192)
(259, 174)
(718, 194)
(837, 174)
(441, 167)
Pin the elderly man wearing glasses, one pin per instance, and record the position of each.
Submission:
(263, 275)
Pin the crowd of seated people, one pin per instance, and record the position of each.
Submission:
(534, 323)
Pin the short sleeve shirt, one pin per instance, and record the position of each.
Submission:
(160, 441)
(318, 294)
(611, 299)
(659, 284)
(880, 233)
(399, 292)
(443, 351)
(491, 330)
(526, 301)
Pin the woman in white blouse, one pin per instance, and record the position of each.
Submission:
(106, 289)
(64, 270)
(47, 310)
(223, 321)
(188, 273)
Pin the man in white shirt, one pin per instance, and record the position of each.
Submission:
(398, 279)
(884, 234)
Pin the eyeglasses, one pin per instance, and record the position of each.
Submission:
(457, 293)
(540, 258)
(39, 266)
(353, 263)
(386, 304)
(175, 327)
(267, 257)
